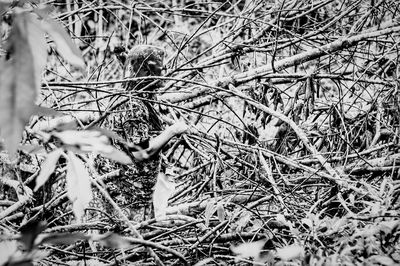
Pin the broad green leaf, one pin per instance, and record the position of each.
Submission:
(65, 47)
(163, 190)
(118, 156)
(38, 46)
(32, 148)
(8, 248)
(47, 168)
(92, 141)
(78, 185)
(17, 84)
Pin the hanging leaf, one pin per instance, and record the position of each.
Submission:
(249, 250)
(65, 47)
(290, 252)
(163, 190)
(38, 46)
(17, 83)
(78, 185)
(47, 168)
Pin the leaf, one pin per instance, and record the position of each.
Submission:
(163, 190)
(47, 168)
(106, 132)
(114, 241)
(3, 9)
(32, 148)
(64, 238)
(307, 222)
(118, 156)
(92, 141)
(257, 225)
(220, 212)
(249, 250)
(17, 84)
(8, 248)
(209, 211)
(30, 231)
(389, 226)
(38, 46)
(78, 185)
(384, 260)
(244, 219)
(77, 138)
(65, 47)
(290, 252)
(45, 111)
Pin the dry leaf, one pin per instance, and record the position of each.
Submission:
(163, 190)
(78, 185)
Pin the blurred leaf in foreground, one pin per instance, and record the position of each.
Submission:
(20, 78)
(65, 47)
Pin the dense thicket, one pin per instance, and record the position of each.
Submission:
(294, 115)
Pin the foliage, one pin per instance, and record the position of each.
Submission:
(293, 149)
